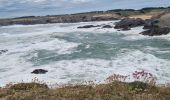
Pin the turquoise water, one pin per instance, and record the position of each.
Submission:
(103, 46)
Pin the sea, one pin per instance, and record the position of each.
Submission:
(73, 55)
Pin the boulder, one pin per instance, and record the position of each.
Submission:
(39, 71)
(107, 26)
(128, 23)
(88, 26)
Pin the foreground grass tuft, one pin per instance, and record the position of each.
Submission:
(27, 86)
(111, 91)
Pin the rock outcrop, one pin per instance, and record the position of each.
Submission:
(88, 26)
(128, 23)
(39, 71)
(155, 31)
(159, 25)
(150, 23)
(107, 26)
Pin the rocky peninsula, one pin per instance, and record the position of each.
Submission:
(155, 21)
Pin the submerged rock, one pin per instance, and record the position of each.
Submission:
(3, 51)
(39, 71)
(126, 29)
(107, 26)
(128, 23)
(88, 26)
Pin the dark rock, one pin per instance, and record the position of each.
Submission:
(149, 23)
(127, 23)
(3, 51)
(107, 26)
(155, 31)
(88, 26)
(126, 29)
(39, 71)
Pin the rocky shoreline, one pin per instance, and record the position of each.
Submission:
(155, 21)
(157, 25)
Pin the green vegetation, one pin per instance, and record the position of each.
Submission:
(111, 91)
(115, 89)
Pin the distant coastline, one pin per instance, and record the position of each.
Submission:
(155, 20)
(82, 17)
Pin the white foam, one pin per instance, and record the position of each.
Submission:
(133, 34)
(42, 29)
(137, 60)
(87, 69)
(58, 27)
(25, 43)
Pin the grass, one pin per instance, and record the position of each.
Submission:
(115, 89)
(110, 91)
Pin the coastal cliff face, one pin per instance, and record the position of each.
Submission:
(59, 19)
(159, 25)
(154, 23)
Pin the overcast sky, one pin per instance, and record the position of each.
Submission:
(13, 8)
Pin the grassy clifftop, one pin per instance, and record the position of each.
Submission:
(111, 91)
(114, 89)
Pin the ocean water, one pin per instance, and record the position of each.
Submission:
(74, 55)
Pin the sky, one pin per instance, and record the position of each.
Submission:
(17, 8)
